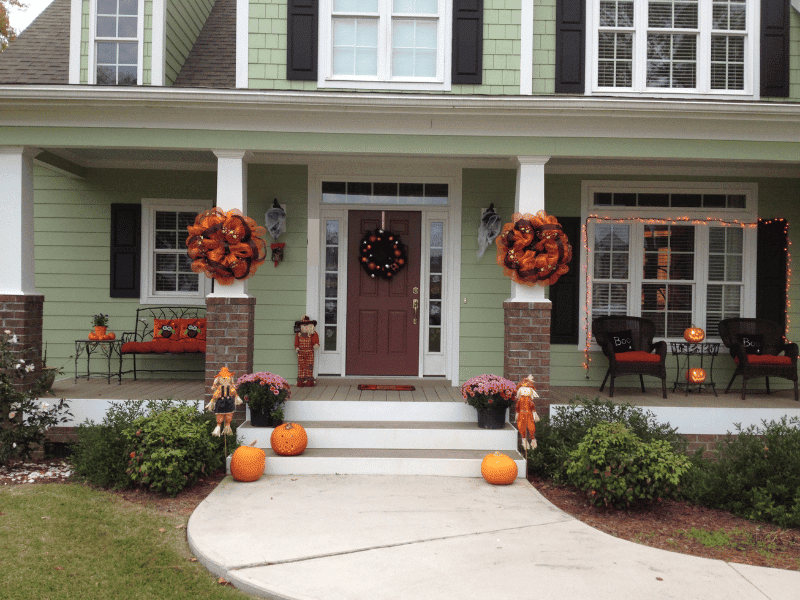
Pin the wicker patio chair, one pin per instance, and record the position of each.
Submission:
(628, 344)
(756, 346)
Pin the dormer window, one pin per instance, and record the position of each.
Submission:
(117, 27)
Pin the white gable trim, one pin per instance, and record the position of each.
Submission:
(242, 43)
(76, 12)
(159, 41)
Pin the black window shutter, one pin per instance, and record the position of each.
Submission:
(775, 48)
(126, 225)
(467, 41)
(771, 271)
(301, 40)
(564, 293)
(570, 46)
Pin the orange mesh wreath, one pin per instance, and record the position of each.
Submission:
(226, 246)
(533, 250)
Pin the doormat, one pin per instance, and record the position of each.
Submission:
(390, 388)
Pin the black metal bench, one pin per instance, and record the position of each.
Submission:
(166, 330)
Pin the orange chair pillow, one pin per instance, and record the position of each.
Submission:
(637, 356)
(766, 359)
(168, 329)
(194, 329)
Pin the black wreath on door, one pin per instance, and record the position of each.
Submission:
(382, 254)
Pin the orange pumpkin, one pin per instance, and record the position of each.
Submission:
(694, 335)
(289, 439)
(498, 469)
(696, 375)
(247, 463)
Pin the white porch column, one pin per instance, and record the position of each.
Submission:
(16, 206)
(529, 199)
(231, 194)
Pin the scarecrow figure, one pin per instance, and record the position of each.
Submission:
(224, 400)
(306, 340)
(526, 412)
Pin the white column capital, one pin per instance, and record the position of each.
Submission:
(532, 160)
(243, 155)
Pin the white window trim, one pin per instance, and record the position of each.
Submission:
(147, 293)
(747, 215)
(93, 43)
(326, 79)
(752, 67)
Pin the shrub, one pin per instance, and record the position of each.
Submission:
(561, 432)
(100, 455)
(173, 448)
(616, 468)
(755, 474)
(24, 417)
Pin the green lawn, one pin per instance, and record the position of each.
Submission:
(70, 541)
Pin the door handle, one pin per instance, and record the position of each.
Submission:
(415, 304)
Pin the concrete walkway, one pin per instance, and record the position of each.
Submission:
(357, 537)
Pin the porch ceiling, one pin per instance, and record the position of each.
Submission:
(75, 161)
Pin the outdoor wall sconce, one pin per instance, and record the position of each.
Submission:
(275, 220)
(488, 229)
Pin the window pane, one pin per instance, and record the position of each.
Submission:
(106, 26)
(331, 311)
(362, 6)
(673, 14)
(416, 6)
(166, 262)
(331, 285)
(166, 240)
(331, 258)
(166, 282)
(106, 53)
(615, 59)
(435, 339)
(609, 299)
(106, 7)
(166, 220)
(668, 252)
(669, 306)
(330, 338)
(184, 263)
(332, 233)
(437, 234)
(436, 260)
(128, 7)
(436, 287)
(616, 13)
(435, 312)
(611, 243)
(188, 282)
(128, 53)
(671, 60)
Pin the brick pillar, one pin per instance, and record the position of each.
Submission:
(22, 316)
(230, 325)
(526, 347)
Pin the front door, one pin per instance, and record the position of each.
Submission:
(383, 313)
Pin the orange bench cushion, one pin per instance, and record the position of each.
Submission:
(164, 346)
(766, 359)
(637, 356)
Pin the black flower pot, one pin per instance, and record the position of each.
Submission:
(263, 419)
(492, 417)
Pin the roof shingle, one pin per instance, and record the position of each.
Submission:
(41, 52)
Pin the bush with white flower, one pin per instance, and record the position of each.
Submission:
(24, 416)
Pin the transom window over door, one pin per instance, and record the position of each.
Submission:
(674, 268)
(384, 41)
(704, 46)
(117, 42)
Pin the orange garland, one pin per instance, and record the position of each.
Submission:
(226, 246)
(533, 250)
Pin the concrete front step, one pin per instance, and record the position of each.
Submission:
(418, 435)
(382, 461)
(355, 410)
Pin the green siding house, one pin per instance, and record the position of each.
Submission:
(645, 126)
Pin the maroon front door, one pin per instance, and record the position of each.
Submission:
(383, 314)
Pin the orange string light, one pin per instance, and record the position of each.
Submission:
(678, 220)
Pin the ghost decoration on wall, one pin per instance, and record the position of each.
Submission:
(275, 219)
(488, 230)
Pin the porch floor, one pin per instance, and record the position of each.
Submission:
(426, 390)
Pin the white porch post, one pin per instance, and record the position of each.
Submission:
(231, 194)
(16, 205)
(529, 199)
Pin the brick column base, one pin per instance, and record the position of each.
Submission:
(230, 324)
(527, 347)
(22, 316)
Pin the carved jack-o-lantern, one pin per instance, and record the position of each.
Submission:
(694, 335)
(696, 375)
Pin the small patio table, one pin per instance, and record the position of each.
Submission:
(683, 352)
(110, 349)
